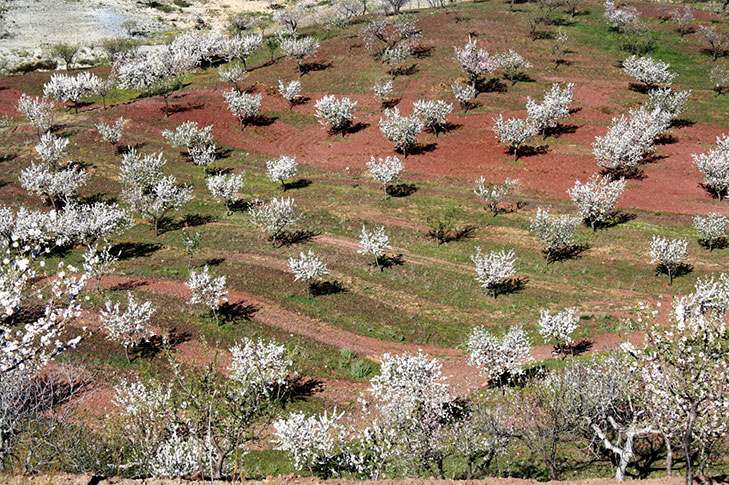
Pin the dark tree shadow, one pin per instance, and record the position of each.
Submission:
(616, 218)
(682, 123)
(356, 128)
(421, 52)
(579, 347)
(151, 347)
(290, 238)
(129, 285)
(391, 103)
(222, 152)
(531, 151)
(184, 108)
(559, 130)
(520, 78)
(633, 173)
(262, 120)
(449, 126)
(401, 190)
(8, 157)
(653, 158)
(682, 270)
(129, 250)
(169, 224)
(230, 312)
(405, 71)
(457, 234)
(721, 243)
(308, 67)
(712, 192)
(322, 288)
(387, 261)
(214, 261)
(240, 205)
(512, 285)
(666, 139)
(571, 252)
(639, 87)
(299, 388)
(575, 110)
(297, 184)
(123, 150)
(493, 85)
(301, 100)
(421, 148)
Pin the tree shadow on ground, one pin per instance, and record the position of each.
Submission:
(290, 238)
(323, 288)
(129, 250)
(401, 190)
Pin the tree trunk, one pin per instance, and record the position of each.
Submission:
(669, 456)
(167, 106)
(686, 444)
(625, 455)
(156, 227)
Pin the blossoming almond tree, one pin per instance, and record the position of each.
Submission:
(670, 254)
(496, 356)
(282, 169)
(514, 132)
(336, 114)
(401, 130)
(276, 216)
(308, 267)
(596, 198)
(559, 327)
(243, 106)
(112, 134)
(494, 194)
(495, 269)
(385, 170)
(374, 243)
(290, 91)
(556, 233)
(432, 113)
(225, 188)
(711, 230)
(207, 290)
(128, 326)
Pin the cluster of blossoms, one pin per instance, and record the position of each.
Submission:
(260, 365)
(495, 356)
(56, 186)
(299, 48)
(232, 74)
(385, 170)
(72, 89)
(225, 188)
(241, 47)
(38, 111)
(243, 106)
(128, 326)
(276, 216)
(668, 101)
(475, 62)
(188, 135)
(556, 233)
(621, 19)
(711, 229)
(112, 134)
(374, 243)
(207, 290)
(554, 107)
(714, 164)
(495, 269)
(648, 71)
(282, 169)
(670, 254)
(390, 31)
(629, 138)
(383, 90)
(336, 114)
(148, 190)
(514, 132)
(433, 114)
(494, 194)
(559, 327)
(596, 198)
(290, 91)
(52, 150)
(401, 130)
(513, 64)
(464, 94)
(308, 267)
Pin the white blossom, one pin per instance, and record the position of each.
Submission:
(38, 111)
(260, 366)
(203, 155)
(385, 170)
(128, 326)
(189, 134)
(670, 254)
(57, 186)
(648, 71)
(474, 61)
(514, 132)
(290, 91)
(98, 263)
(312, 441)
(596, 198)
(433, 114)
(623, 18)
(276, 216)
(112, 134)
(156, 201)
(495, 356)
(241, 47)
(88, 223)
(177, 456)
(401, 130)
(243, 106)
(495, 269)
(207, 290)
(668, 101)
(71, 89)
(282, 169)
(494, 194)
(232, 74)
(556, 233)
(308, 267)
(554, 107)
(374, 242)
(225, 188)
(715, 166)
(711, 229)
(559, 326)
(464, 94)
(52, 149)
(513, 64)
(299, 48)
(337, 114)
(383, 90)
